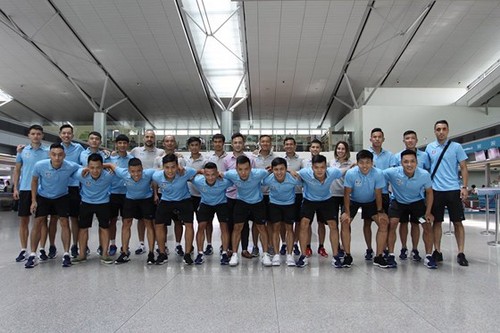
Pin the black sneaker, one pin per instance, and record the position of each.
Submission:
(347, 260)
(209, 250)
(151, 258)
(22, 256)
(122, 259)
(112, 250)
(179, 250)
(415, 256)
(32, 262)
(380, 261)
(369, 254)
(302, 262)
(43, 255)
(66, 262)
(386, 254)
(462, 261)
(391, 262)
(337, 262)
(74, 251)
(52, 252)
(296, 250)
(99, 250)
(404, 254)
(161, 259)
(283, 249)
(187, 259)
(438, 256)
(341, 253)
(199, 259)
(224, 259)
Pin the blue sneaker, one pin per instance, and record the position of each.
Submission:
(43, 255)
(415, 256)
(430, 263)
(199, 259)
(337, 262)
(302, 262)
(224, 259)
(391, 262)
(32, 262)
(283, 249)
(66, 262)
(21, 256)
(369, 254)
(404, 254)
(74, 251)
(341, 253)
(209, 250)
(112, 250)
(296, 250)
(52, 252)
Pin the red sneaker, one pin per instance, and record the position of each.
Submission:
(309, 252)
(322, 252)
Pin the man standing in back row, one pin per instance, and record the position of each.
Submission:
(447, 190)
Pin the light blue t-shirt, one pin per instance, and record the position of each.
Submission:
(408, 190)
(363, 186)
(84, 156)
(214, 194)
(446, 177)
(314, 190)
(422, 159)
(248, 190)
(382, 161)
(73, 151)
(53, 183)
(28, 157)
(137, 189)
(282, 193)
(95, 191)
(176, 189)
(118, 186)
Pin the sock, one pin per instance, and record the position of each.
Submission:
(33, 254)
(66, 253)
(111, 242)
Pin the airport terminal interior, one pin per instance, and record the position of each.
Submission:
(325, 70)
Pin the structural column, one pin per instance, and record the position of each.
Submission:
(100, 125)
(227, 124)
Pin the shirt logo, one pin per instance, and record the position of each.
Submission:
(399, 182)
(358, 182)
(88, 183)
(48, 174)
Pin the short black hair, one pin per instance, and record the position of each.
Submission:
(169, 158)
(66, 126)
(364, 154)
(318, 159)
(35, 127)
(408, 152)
(56, 146)
(134, 161)
(288, 138)
(408, 132)
(316, 141)
(96, 134)
(193, 139)
(265, 136)
(210, 165)
(377, 129)
(237, 135)
(122, 137)
(95, 157)
(278, 161)
(442, 121)
(242, 159)
(219, 136)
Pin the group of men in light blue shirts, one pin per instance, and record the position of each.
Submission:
(389, 189)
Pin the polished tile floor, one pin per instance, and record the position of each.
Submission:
(93, 297)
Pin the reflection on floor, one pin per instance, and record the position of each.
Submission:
(93, 297)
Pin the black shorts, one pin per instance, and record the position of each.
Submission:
(298, 206)
(338, 205)
(116, 204)
(87, 211)
(386, 201)
(230, 210)
(196, 203)
(322, 209)
(407, 212)
(139, 209)
(206, 212)
(368, 209)
(58, 206)
(24, 203)
(183, 210)
(282, 213)
(74, 200)
(244, 212)
(266, 205)
(451, 200)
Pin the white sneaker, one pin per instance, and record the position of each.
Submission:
(289, 260)
(140, 249)
(276, 260)
(266, 259)
(167, 251)
(234, 260)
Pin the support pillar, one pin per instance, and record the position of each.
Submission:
(227, 124)
(100, 126)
